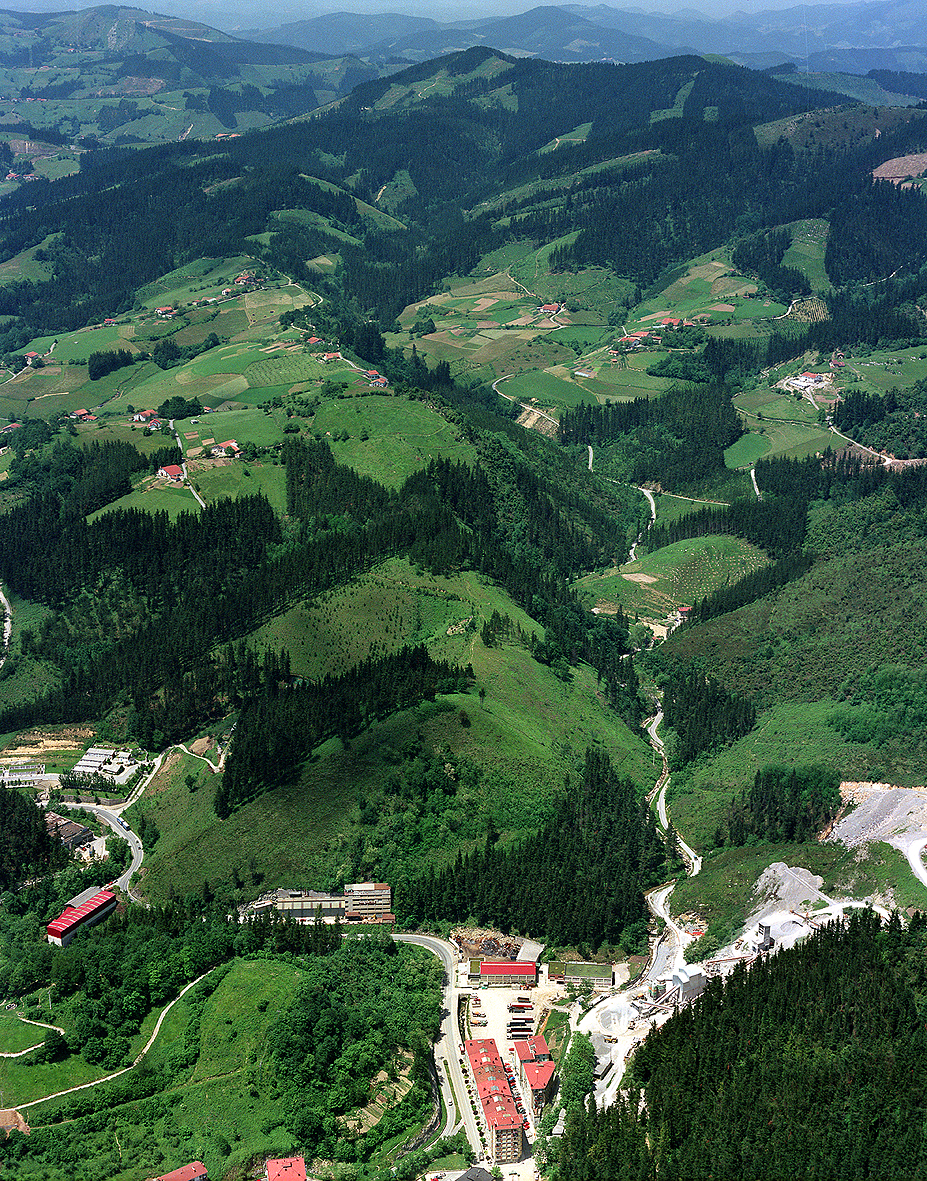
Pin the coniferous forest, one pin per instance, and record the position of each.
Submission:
(582, 878)
(810, 1063)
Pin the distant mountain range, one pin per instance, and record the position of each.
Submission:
(886, 34)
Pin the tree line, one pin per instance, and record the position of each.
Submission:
(782, 804)
(280, 724)
(581, 878)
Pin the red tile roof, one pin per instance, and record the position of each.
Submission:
(491, 1084)
(191, 1172)
(538, 1074)
(288, 1168)
(173, 470)
(532, 1048)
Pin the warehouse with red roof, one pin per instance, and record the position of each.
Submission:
(75, 918)
(521, 973)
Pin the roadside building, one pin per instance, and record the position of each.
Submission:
(537, 1071)
(504, 1124)
(171, 471)
(73, 919)
(365, 900)
(362, 902)
(69, 832)
(287, 1168)
(195, 1171)
(517, 973)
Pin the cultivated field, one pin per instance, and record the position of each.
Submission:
(678, 574)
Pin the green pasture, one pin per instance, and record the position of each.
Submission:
(242, 479)
(24, 677)
(788, 734)
(670, 508)
(547, 389)
(844, 126)
(675, 575)
(779, 424)
(530, 728)
(234, 1026)
(627, 380)
(25, 267)
(16, 1035)
(707, 286)
(381, 611)
(806, 253)
(197, 279)
(747, 450)
(284, 368)
(226, 360)
(212, 1112)
(402, 436)
(152, 495)
(882, 370)
(577, 136)
(127, 432)
(676, 110)
(248, 425)
(23, 1080)
(80, 344)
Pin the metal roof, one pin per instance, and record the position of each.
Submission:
(72, 917)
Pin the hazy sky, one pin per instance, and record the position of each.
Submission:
(249, 14)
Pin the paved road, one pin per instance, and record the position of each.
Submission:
(110, 817)
(446, 1053)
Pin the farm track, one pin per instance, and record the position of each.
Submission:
(138, 1058)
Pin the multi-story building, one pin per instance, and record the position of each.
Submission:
(503, 1122)
(536, 1071)
(362, 902)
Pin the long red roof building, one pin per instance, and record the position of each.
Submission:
(492, 1085)
(73, 918)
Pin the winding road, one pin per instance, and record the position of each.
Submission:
(447, 1058)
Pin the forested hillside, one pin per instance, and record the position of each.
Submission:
(833, 1025)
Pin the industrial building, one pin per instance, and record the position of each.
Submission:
(367, 900)
(504, 1124)
(192, 1172)
(69, 832)
(361, 902)
(536, 1071)
(512, 973)
(599, 977)
(75, 918)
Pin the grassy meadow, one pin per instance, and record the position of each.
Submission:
(512, 749)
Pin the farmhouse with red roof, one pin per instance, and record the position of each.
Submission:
(195, 1171)
(287, 1168)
